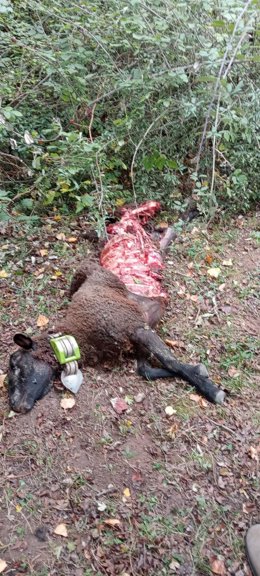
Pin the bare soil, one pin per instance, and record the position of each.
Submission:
(139, 493)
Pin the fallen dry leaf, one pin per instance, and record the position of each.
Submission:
(127, 493)
(171, 432)
(42, 321)
(161, 226)
(208, 258)
(195, 397)
(43, 252)
(221, 287)
(194, 298)
(199, 400)
(3, 274)
(218, 567)
(72, 239)
(224, 472)
(67, 403)
(3, 565)
(61, 530)
(233, 372)
(174, 565)
(214, 272)
(175, 343)
(112, 522)
(169, 411)
(119, 405)
(2, 379)
(227, 262)
(61, 236)
(253, 453)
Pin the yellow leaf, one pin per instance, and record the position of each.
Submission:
(3, 565)
(2, 379)
(3, 274)
(72, 239)
(57, 218)
(18, 508)
(120, 202)
(43, 252)
(61, 530)
(42, 321)
(112, 522)
(58, 273)
(67, 403)
(127, 493)
(214, 272)
(64, 187)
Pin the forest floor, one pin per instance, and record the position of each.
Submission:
(141, 493)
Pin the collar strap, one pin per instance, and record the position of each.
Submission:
(65, 348)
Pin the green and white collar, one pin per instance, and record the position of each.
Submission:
(67, 353)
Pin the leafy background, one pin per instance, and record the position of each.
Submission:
(106, 102)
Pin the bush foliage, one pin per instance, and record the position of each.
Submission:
(108, 101)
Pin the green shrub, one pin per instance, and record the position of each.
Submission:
(106, 101)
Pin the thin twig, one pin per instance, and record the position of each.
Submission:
(138, 147)
(23, 96)
(228, 48)
(91, 122)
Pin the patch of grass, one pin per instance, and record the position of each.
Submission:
(152, 527)
(239, 353)
(256, 236)
(203, 461)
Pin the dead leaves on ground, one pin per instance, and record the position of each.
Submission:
(67, 403)
(3, 565)
(42, 321)
(214, 272)
(3, 274)
(254, 452)
(199, 400)
(218, 567)
(113, 522)
(175, 343)
(61, 530)
(2, 379)
(119, 405)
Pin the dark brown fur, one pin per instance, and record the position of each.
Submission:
(101, 316)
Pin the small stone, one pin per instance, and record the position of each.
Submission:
(139, 397)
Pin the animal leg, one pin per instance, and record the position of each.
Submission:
(148, 372)
(197, 376)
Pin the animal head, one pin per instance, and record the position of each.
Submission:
(29, 378)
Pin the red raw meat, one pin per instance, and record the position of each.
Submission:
(132, 255)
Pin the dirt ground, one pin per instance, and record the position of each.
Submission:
(142, 493)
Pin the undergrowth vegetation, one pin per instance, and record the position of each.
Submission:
(107, 102)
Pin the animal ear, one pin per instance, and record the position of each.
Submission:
(24, 341)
